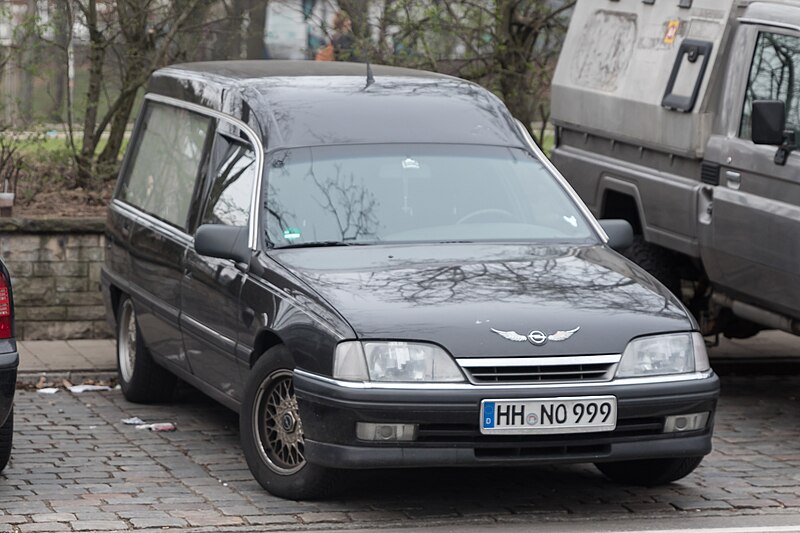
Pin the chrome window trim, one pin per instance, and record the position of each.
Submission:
(563, 182)
(169, 229)
(255, 139)
(483, 362)
(365, 385)
(770, 23)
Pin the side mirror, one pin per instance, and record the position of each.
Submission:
(620, 233)
(224, 242)
(768, 122)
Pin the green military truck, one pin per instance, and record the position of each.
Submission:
(680, 116)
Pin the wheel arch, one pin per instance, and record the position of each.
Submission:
(265, 339)
(115, 293)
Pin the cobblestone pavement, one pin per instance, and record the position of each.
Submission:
(76, 467)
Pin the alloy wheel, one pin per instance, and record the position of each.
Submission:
(277, 425)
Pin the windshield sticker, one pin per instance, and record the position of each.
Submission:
(291, 234)
(571, 220)
(409, 163)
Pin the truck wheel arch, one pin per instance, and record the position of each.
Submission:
(621, 200)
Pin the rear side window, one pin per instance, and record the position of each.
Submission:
(163, 172)
(234, 175)
(774, 75)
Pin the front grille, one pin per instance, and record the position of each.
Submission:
(469, 434)
(590, 450)
(540, 369)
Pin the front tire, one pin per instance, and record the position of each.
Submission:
(141, 378)
(272, 432)
(649, 472)
(6, 436)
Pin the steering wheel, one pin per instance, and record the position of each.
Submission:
(487, 211)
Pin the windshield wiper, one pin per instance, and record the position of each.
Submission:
(314, 244)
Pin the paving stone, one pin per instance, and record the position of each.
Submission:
(318, 518)
(158, 522)
(259, 520)
(98, 525)
(53, 517)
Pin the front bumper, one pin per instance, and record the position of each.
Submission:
(9, 361)
(449, 433)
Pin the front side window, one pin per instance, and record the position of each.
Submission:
(229, 198)
(163, 172)
(774, 75)
(429, 193)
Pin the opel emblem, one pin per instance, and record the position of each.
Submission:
(537, 337)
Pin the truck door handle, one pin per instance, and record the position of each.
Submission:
(733, 179)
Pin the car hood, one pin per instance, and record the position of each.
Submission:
(455, 295)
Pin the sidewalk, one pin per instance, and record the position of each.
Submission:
(87, 356)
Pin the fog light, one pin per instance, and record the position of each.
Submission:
(690, 422)
(386, 432)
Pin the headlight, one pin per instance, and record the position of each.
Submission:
(664, 354)
(394, 362)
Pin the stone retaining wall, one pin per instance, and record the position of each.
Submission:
(55, 275)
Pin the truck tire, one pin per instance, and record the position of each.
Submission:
(271, 433)
(659, 262)
(649, 472)
(6, 436)
(142, 379)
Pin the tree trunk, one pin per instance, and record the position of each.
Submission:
(93, 92)
(139, 49)
(60, 74)
(256, 28)
(28, 63)
(232, 30)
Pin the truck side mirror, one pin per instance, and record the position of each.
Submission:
(768, 122)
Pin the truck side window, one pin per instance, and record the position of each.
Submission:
(774, 75)
(229, 198)
(163, 172)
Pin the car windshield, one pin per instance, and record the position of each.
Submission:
(336, 195)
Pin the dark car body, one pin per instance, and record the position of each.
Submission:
(9, 361)
(212, 303)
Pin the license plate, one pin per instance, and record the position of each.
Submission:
(549, 415)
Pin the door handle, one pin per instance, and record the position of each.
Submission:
(733, 179)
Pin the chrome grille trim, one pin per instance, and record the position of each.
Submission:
(509, 370)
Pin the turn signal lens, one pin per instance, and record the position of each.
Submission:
(5, 308)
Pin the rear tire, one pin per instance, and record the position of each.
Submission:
(6, 436)
(141, 378)
(272, 433)
(649, 472)
(659, 262)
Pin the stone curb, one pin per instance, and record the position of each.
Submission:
(73, 376)
(53, 225)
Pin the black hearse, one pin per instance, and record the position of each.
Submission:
(379, 268)
(9, 361)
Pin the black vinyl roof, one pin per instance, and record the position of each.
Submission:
(310, 103)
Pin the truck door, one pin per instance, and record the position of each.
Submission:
(754, 248)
